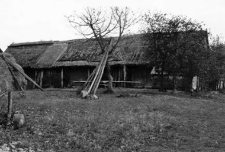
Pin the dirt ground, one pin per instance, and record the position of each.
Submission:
(129, 120)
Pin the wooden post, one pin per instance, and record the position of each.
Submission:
(35, 78)
(62, 78)
(9, 113)
(41, 80)
(88, 72)
(124, 74)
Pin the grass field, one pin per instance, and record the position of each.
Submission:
(58, 120)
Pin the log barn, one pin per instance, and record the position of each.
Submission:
(61, 64)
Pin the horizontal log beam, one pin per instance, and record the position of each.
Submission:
(108, 81)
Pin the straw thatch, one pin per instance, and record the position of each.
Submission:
(78, 52)
(51, 55)
(131, 50)
(27, 54)
(10, 78)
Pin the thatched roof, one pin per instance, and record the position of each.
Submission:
(10, 78)
(1, 50)
(27, 55)
(51, 55)
(78, 52)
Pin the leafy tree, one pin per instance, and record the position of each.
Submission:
(195, 52)
(214, 67)
(172, 40)
(99, 24)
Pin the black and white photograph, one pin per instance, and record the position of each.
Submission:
(112, 76)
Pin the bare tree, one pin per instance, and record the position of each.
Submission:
(99, 24)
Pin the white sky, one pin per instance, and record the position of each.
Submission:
(35, 20)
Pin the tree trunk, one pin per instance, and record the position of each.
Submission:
(110, 78)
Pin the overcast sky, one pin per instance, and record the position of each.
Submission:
(36, 20)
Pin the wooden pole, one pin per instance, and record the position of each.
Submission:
(9, 113)
(35, 77)
(19, 70)
(62, 78)
(88, 72)
(124, 74)
(41, 81)
(99, 73)
(12, 73)
(120, 77)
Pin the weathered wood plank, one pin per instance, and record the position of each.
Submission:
(9, 113)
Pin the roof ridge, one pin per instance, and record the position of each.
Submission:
(32, 43)
(60, 41)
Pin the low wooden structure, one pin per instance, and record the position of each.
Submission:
(59, 64)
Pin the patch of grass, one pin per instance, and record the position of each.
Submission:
(60, 121)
